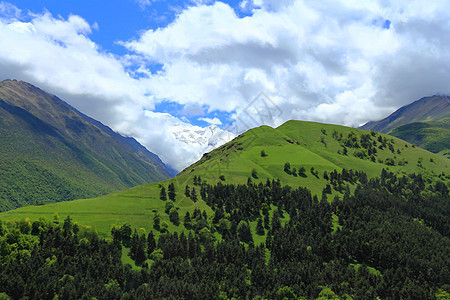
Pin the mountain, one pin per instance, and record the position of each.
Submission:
(433, 136)
(51, 152)
(425, 109)
(208, 137)
(230, 229)
(311, 145)
(299, 154)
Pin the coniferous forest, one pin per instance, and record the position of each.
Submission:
(386, 237)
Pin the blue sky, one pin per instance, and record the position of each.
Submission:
(166, 71)
(118, 20)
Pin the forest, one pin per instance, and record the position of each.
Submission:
(385, 237)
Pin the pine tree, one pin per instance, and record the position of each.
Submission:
(267, 221)
(151, 243)
(171, 192)
(244, 232)
(162, 194)
(174, 217)
(193, 195)
(156, 221)
(187, 220)
(187, 191)
(259, 227)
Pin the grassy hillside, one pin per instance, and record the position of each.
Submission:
(425, 109)
(433, 136)
(260, 154)
(308, 144)
(50, 153)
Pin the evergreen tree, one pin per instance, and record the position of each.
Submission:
(287, 168)
(187, 220)
(244, 232)
(157, 221)
(193, 195)
(171, 192)
(187, 191)
(162, 194)
(67, 226)
(174, 217)
(267, 221)
(151, 243)
(259, 227)
(168, 206)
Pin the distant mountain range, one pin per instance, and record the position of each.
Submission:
(425, 109)
(425, 123)
(51, 152)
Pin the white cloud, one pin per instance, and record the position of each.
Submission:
(328, 61)
(314, 56)
(212, 121)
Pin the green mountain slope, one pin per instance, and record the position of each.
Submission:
(425, 109)
(259, 154)
(308, 144)
(49, 152)
(433, 136)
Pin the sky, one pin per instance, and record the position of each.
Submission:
(182, 77)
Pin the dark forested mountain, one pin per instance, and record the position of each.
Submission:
(51, 152)
(425, 109)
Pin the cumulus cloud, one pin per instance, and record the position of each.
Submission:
(342, 62)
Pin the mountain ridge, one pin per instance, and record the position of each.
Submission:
(41, 134)
(425, 109)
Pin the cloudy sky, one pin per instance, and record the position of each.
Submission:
(166, 71)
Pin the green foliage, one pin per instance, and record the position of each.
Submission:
(285, 293)
(157, 221)
(259, 227)
(163, 194)
(168, 206)
(365, 244)
(244, 232)
(174, 217)
(194, 195)
(187, 191)
(171, 192)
